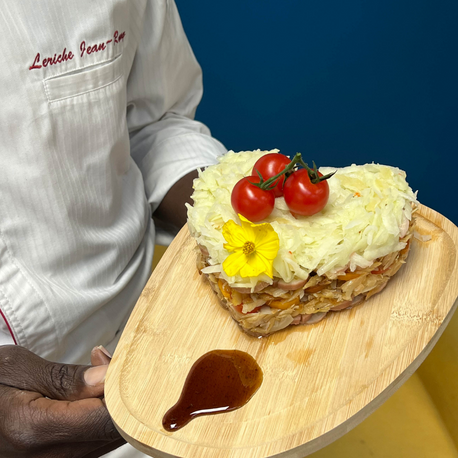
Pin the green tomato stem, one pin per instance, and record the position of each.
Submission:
(269, 184)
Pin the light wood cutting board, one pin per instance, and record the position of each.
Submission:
(319, 380)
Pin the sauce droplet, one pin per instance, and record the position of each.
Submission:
(219, 381)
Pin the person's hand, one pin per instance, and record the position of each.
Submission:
(51, 410)
(171, 215)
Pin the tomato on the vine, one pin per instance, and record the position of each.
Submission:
(302, 196)
(253, 203)
(269, 166)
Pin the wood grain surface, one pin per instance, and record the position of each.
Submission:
(319, 380)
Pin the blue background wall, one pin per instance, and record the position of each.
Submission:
(340, 81)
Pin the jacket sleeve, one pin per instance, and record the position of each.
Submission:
(163, 91)
(6, 337)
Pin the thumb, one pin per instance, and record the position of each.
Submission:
(100, 356)
(22, 369)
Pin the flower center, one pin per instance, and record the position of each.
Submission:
(248, 248)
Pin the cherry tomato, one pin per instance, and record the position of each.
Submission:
(302, 196)
(269, 166)
(250, 201)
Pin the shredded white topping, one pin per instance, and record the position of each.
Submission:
(363, 220)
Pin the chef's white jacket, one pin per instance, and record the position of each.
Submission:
(97, 101)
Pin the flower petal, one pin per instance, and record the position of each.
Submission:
(267, 264)
(256, 265)
(268, 248)
(234, 235)
(266, 245)
(248, 229)
(267, 241)
(233, 263)
(251, 268)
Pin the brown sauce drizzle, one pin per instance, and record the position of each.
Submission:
(218, 382)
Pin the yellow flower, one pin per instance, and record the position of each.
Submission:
(254, 248)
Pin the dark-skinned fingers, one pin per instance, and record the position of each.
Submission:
(104, 449)
(15, 422)
(77, 450)
(172, 213)
(29, 421)
(24, 370)
(85, 420)
(100, 356)
(86, 450)
(72, 450)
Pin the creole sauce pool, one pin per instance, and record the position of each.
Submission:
(218, 382)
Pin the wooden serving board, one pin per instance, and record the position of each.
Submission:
(319, 380)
